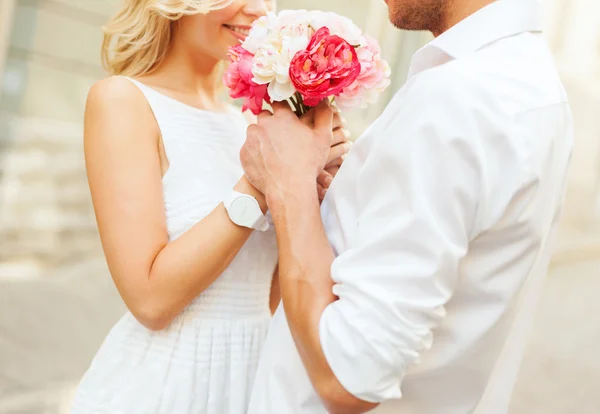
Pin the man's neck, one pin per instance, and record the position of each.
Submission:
(458, 10)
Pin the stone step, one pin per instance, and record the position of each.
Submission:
(51, 399)
(46, 214)
(53, 163)
(24, 132)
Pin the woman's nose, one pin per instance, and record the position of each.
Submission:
(257, 7)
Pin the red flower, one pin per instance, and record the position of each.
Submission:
(325, 68)
(238, 78)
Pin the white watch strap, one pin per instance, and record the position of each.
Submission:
(261, 223)
(232, 195)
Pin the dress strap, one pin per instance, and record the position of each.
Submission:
(155, 101)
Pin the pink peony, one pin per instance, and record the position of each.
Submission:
(374, 71)
(327, 66)
(238, 78)
(374, 77)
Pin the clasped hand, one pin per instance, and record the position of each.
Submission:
(284, 154)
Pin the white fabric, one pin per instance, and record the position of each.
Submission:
(205, 361)
(440, 218)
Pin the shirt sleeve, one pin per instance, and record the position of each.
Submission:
(418, 197)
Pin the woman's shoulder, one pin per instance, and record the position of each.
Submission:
(117, 102)
(118, 98)
(115, 90)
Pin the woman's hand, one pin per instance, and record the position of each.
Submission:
(339, 148)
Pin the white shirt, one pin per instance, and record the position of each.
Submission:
(441, 219)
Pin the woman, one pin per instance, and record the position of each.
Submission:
(162, 154)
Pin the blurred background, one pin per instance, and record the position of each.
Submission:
(57, 301)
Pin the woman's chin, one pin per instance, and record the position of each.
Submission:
(232, 43)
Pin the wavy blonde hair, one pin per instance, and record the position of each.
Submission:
(136, 39)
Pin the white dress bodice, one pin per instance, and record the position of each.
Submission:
(204, 362)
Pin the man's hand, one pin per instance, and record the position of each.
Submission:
(282, 153)
(337, 153)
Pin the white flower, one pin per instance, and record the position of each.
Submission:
(261, 29)
(275, 39)
(275, 50)
(338, 25)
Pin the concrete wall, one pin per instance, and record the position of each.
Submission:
(53, 57)
(6, 19)
(46, 218)
(51, 60)
(573, 31)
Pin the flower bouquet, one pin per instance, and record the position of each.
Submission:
(303, 57)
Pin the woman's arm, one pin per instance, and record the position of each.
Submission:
(155, 278)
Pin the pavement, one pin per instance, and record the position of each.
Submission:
(51, 326)
(560, 373)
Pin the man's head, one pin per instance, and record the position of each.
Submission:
(418, 14)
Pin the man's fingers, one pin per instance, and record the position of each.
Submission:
(280, 106)
(337, 151)
(244, 157)
(264, 114)
(252, 133)
(249, 145)
(308, 118)
(323, 118)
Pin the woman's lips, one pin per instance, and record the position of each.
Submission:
(241, 32)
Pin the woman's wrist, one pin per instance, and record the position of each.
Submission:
(244, 186)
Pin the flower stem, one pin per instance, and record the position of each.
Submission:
(302, 108)
(294, 105)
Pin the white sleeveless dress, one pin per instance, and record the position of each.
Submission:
(205, 361)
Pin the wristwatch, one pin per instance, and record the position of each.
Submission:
(244, 210)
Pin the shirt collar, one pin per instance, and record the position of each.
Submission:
(500, 19)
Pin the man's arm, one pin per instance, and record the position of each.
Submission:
(306, 290)
(391, 284)
(362, 319)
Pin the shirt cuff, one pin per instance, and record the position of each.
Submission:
(356, 364)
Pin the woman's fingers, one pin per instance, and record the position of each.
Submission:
(321, 191)
(340, 135)
(339, 148)
(324, 179)
(323, 182)
(332, 170)
(338, 121)
(337, 151)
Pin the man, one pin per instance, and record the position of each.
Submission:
(412, 289)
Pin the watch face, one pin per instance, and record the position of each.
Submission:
(243, 211)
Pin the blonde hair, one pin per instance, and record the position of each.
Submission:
(136, 39)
